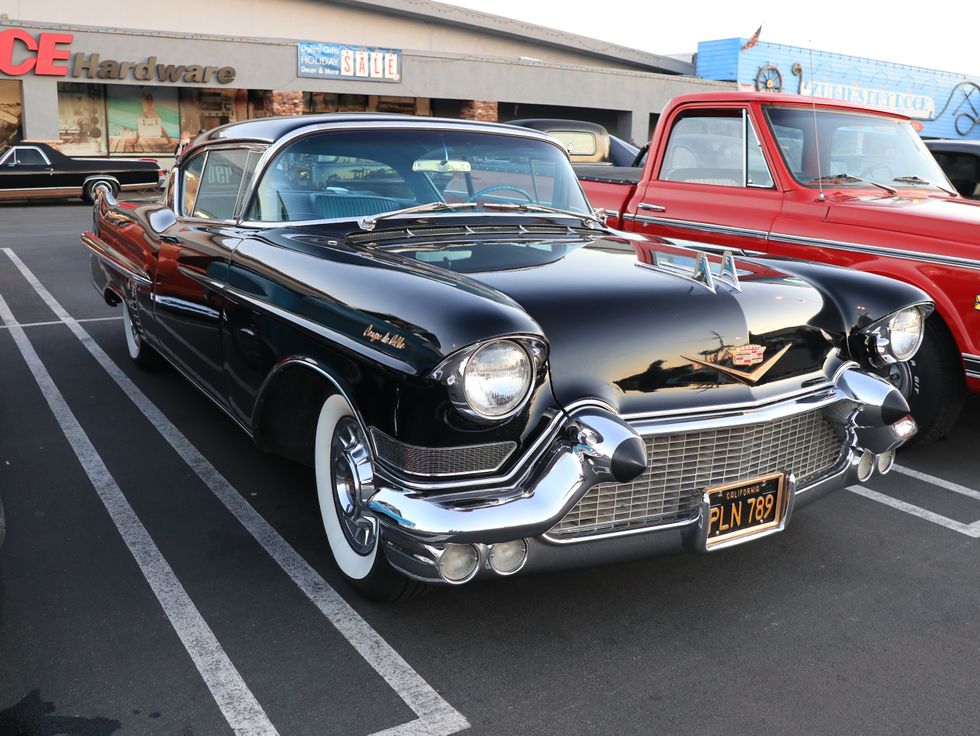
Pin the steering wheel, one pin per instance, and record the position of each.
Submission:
(869, 173)
(496, 188)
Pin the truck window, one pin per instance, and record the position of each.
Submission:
(717, 149)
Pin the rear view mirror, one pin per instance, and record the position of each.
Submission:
(448, 166)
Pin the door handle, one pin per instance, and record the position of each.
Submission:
(170, 239)
(652, 207)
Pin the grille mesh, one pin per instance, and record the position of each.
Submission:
(682, 465)
(441, 460)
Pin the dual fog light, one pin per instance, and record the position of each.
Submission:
(459, 563)
(870, 462)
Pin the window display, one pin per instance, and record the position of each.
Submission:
(142, 119)
(209, 108)
(81, 119)
(11, 112)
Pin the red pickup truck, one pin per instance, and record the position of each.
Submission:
(822, 181)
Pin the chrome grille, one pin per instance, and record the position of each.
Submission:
(682, 465)
(432, 461)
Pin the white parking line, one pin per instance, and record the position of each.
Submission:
(58, 322)
(237, 703)
(970, 530)
(933, 480)
(435, 716)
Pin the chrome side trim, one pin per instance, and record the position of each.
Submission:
(320, 330)
(701, 227)
(876, 250)
(106, 255)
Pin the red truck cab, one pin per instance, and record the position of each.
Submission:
(823, 181)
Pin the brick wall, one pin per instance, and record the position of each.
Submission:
(479, 110)
(283, 103)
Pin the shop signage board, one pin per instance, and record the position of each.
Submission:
(334, 61)
(941, 104)
(49, 54)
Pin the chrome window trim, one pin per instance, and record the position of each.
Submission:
(877, 250)
(13, 149)
(275, 147)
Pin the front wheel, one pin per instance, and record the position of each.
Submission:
(932, 382)
(139, 352)
(344, 482)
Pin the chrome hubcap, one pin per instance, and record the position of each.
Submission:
(353, 484)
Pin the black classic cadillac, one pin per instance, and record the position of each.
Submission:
(485, 378)
(38, 171)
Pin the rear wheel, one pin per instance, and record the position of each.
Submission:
(344, 482)
(932, 382)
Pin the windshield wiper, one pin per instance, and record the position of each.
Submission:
(847, 177)
(368, 223)
(531, 207)
(919, 180)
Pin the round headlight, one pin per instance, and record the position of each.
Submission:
(496, 379)
(905, 333)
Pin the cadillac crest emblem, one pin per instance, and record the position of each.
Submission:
(747, 354)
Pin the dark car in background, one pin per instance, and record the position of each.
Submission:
(960, 161)
(33, 170)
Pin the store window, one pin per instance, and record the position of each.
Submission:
(203, 109)
(11, 113)
(320, 102)
(142, 119)
(81, 119)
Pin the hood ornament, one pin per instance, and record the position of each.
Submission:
(745, 355)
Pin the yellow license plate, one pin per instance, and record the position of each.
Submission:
(745, 508)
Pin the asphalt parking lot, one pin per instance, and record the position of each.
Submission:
(161, 576)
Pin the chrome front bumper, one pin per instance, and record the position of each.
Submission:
(417, 527)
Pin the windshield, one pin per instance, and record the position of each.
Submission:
(354, 174)
(851, 147)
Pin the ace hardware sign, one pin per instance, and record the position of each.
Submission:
(49, 55)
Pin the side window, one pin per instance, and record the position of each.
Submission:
(29, 157)
(190, 181)
(713, 149)
(221, 185)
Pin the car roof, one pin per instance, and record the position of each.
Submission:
(270, 130)
(942, 144)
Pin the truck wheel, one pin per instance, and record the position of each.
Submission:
(932, 382)
(343, 462)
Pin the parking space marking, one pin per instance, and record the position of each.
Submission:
(237, 703)
(933, 480)
(436, 717)
(59, 322)
(970, 530)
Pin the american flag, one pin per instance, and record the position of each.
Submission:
(752, 41)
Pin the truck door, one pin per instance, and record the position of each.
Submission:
(711, 183)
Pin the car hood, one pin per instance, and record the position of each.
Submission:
(628, 324)
(951, 219)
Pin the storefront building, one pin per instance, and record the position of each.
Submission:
(942, 104)
(135, 85)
